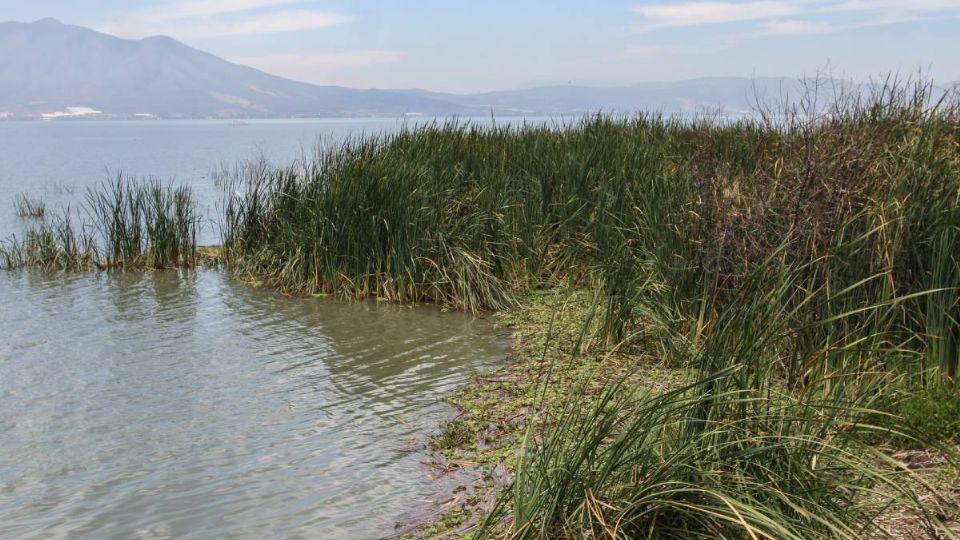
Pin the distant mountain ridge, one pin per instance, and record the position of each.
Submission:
(48, 66)
(726, 94)
(52, 70)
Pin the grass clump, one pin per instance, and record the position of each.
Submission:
(126, 224)
(28, 208)
(55, 244)
(455, 433)
(145, 224)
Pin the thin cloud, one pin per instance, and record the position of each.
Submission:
(273, 23)
(648, 51)
(898, 6)
(790, 16)
(794, 28)
(203, 8)
(219, 18)
(659, 16)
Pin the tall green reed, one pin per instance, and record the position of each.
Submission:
(739, 453)
(123, 224)
(54, 244)
(468, 216)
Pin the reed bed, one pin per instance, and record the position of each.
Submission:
(123, 224)
(803, 262)
(470, 216)
(736, 452)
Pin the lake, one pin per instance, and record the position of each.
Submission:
(185, 404)
(58, 161)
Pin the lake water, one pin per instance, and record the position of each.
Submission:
(188, 405)
(58, 161)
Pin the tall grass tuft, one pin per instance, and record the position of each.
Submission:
(145, 224)
(124, 224)
(55, 244)
(28, 208)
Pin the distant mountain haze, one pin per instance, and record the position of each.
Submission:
(48, 66)
(52, 69)
(724, 94)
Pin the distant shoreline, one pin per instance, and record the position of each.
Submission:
(98, 118)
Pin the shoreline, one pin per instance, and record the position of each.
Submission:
(719, 329)
(478, 449)
(476, 452)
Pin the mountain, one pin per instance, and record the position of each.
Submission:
(48, 66)
(727, 94)
(51, 69)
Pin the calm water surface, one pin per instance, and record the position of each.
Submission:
(188, 405)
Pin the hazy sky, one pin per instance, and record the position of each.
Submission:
(496, 44)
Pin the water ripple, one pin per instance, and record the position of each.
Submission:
(165, 404)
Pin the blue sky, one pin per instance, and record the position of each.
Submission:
(465, 46)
